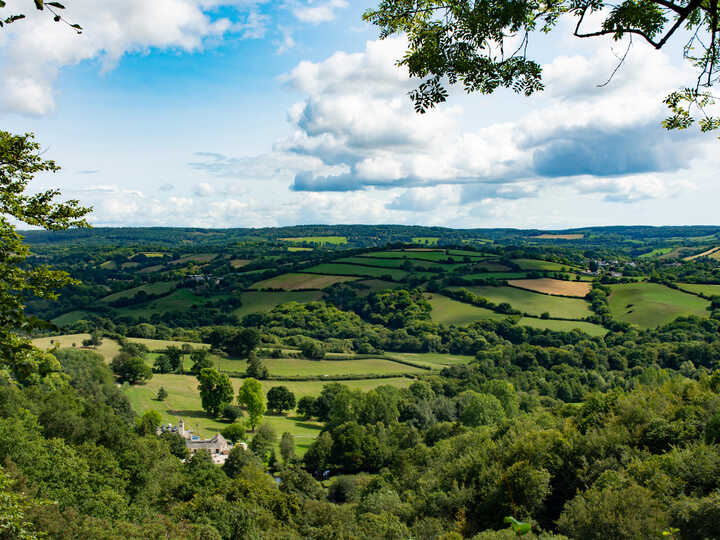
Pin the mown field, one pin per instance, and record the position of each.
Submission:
(553, 286)
(353, 270)
(701, 288)
(448, 311)
(294, 282)
(183, 401)
(535, 303)
(260, 302)
(548, 266)
(648, 305)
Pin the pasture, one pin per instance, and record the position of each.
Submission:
(545, 266)
(548, 236)
(491, 266)
(535, 303)
(434, 360)
(109, 265)
(448, 311)
(563, 326)
(260, 302)
(553, 286)
(294, 282)
(354, 270)
(648, 305)
(196, 258)
(179, 300)
(108, 349)
(70, 317)
(701, 288)
(183, 401)
(497, 275)
(395, 263)
(151, 269)
(239, 263)
(657, 252)
(420, 254)
(334, 240)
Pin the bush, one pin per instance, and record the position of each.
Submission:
(232, 412)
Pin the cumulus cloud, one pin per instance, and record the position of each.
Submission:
(356, 117)
(203, 190)
(315, 12)
(37, 48)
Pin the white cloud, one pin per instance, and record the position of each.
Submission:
(315, 12)
(203, 190)
(37, 48)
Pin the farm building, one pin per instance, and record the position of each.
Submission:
(218, 446)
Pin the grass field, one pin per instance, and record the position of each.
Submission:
(535, 303)
(563, 326)
(372, 285)
(159, 344)
(437, 360)
(259, 302)
(701, 288)
(161, 287)
(353, 270)
(491, 266)
(536, 264)
(426, 240)
(420, 254)
(70, 317)
(547, 236)
(448, 311)
(198, 258)
(336, 240)
(497, 275)
(151, 269)
(109, 265)
(184, 401)
(294, 367)
(467, 253)
(108, 349)
(179, 300)
(294, 282)
(553, 286)
(239, 263)
(656, 253)
(294, 249)
(712, 253)
(649, 304)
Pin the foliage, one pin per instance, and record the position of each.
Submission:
(216, 391)
(131, 369)
(235, 432)
(280, 399)
(250, 395)
(287, 447)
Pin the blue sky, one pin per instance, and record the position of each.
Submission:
(221, 113)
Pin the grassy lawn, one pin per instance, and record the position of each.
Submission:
(701, 288)
(292, 282)
(259, 302)
(563, 326)
(535, 303)
(161, 287)
(536, 264)
(448, 311)
(353, 270)
(184, 401)
(336, 240)
(650, 304)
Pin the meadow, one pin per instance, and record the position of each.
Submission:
(178, 300)
(239, 263)
(556, 287)
(108, 349)
(547, 266)
(563, 326)
(183, 401)
(701, 288)
(548, 236)
(448, 311)
(161, 287)
(648, 305)
(434, 360)
(535, 303)
(294, 282)
(198, 258)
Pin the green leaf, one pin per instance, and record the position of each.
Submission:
(39, 4)
(55, 5)
(2, 4)
(76, 26)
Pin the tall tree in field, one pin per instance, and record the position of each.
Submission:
(474, 43)
(200, 360)
(20, 161)
(216, 391)
(280, 399)
(251, 396)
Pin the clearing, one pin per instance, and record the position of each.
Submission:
(648, 305)
(556, 287)
(108, 349)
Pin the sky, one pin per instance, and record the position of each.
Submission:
(256, 113)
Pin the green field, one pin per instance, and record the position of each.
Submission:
(701, 288)
(656, 253)
(536, 264)
(70, 317)
(198, 258)
(497, 275)
(179, 300)
(183, 401)
(426, 240)
(353, 270)
(448, 311)
(108, 349)
(419, 255)
(260, 302)
(295, 249)
(161, 287)
(292, 282)
(535, 303)
(563, 326)
(109, 265)
(648, 305)
(336, 240)
(159, 344)
(437, 360)
(396, 263)
(491, 266)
